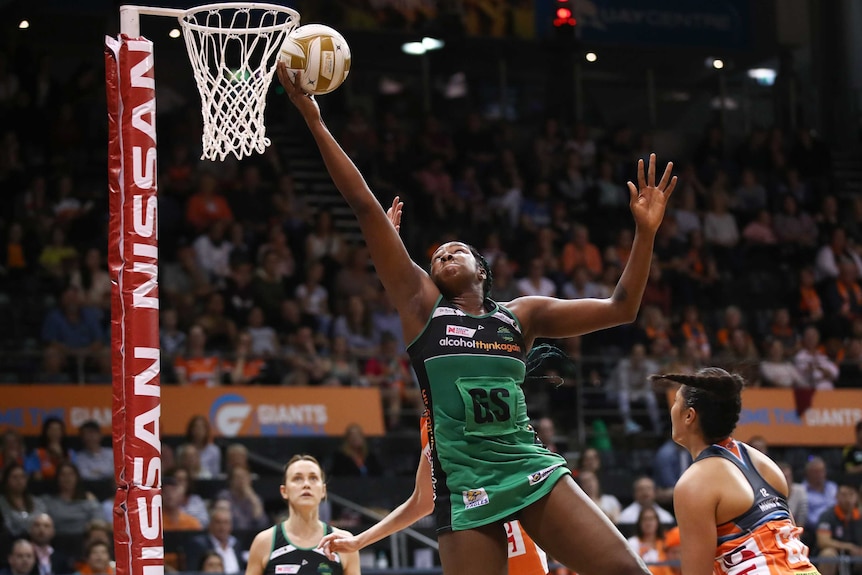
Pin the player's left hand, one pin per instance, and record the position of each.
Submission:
(648, 200)
(303, 101)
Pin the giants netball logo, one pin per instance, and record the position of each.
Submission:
(229, 413)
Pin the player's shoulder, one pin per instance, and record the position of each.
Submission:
(264, 537)
(699, 476)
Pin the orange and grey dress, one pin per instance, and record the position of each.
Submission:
(763, 540)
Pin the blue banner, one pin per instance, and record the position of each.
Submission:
(706, 23)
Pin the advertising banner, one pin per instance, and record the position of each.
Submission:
(773, 413)
(713, 23)
(828, 418)
(234, 411)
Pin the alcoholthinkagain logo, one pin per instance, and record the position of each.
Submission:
(480, 345)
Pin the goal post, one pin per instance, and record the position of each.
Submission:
(233, 49)
(133, 263)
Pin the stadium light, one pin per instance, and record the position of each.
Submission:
(174, 33)
(718, 63)
(414, 48)
(432, 43)
(763, 76)
(591, 57)
(24, 24)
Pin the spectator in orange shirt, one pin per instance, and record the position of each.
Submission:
(580, 251)
(196, 366)
(781, 329)
(692, 329)
(43, 462)
(672, 551)
(98, 562)
(732, 322)
(97, 531)
(648, 541)
(173, 516)
(810, 307)
(207, 205)
(246, 367)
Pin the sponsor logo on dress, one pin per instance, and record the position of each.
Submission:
(286, 569)
(541, 474)
(460, 330)
(505, 333)
(281, 551)
(480, 345)
(475, 498)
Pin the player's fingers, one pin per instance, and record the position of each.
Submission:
(633, 191)
(651, 171)
(670, 188)
(666, 176)
(641, 178)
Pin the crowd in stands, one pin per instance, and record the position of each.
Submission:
(756, 268)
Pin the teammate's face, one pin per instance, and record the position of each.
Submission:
(303, 484)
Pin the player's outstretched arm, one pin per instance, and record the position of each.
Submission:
(551, 317)
(411, 290)
(418, 505)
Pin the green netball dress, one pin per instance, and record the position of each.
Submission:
(487, 462)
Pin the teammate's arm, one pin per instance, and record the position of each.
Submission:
(257, 555)
(695, 515)
(418, 505)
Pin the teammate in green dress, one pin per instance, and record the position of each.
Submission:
(469, 353)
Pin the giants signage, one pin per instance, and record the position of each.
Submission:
(133, 262)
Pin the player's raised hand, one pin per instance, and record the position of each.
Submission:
(303, 101)
(648, 200)
(394, 213)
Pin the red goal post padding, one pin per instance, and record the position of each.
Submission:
(133, 262)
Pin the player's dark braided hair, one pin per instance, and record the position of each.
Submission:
(716, 396)
(483, 263)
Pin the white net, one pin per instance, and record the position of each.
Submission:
(233, 50)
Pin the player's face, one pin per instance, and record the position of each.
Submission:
(453, 260)
(303, 484)
(675, 409)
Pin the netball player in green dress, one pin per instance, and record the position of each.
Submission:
(469, 355)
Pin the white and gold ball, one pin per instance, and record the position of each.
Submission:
(320, 53)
